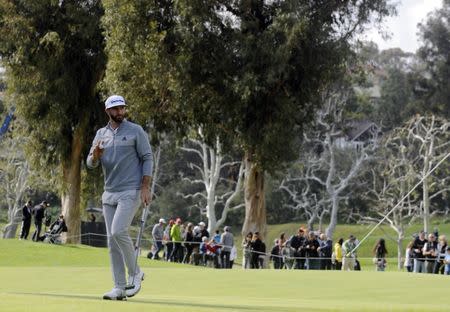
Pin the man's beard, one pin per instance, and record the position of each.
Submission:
(117, 119)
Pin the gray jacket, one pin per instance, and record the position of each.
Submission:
(227, 241)
(158, 232)
(127, 156)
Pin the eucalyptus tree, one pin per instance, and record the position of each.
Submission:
(435, 52)
(53, 52)
(246, 71)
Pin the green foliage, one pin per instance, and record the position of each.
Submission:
(247, 71)
(53, 51)
(396, 99)
(435, 52)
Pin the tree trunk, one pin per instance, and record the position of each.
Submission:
(11, 228)
(211, 213)
(400, 252)
(70, 197)
(255, 203)
(426, 206)
(333, 217)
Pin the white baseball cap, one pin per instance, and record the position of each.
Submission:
(114, 100)
(162, 221)
(202, 223)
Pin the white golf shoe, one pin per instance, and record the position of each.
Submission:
(115, 294)
(134, 284)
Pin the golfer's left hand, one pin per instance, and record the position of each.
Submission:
(146, 196)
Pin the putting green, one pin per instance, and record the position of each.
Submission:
(192, 289)
(38, 277)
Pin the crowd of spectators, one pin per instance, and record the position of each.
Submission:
(192, 244)
(306, 250)
(428, 254)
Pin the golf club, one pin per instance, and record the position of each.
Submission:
(144, 215)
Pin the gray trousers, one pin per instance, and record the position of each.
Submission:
(119, 209)
(419, 266)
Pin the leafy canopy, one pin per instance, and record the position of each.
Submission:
(247, 71)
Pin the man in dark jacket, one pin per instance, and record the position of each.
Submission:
(257, 248)
(26, 220)
(417, 247)
(311, 246)
(39, 215)
(325, 251)
(298, 243)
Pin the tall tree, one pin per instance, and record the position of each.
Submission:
(247, 71)
(54, 58)
(435, 52)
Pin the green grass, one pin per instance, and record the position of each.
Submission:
(42, 277)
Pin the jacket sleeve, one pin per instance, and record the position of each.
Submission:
(144, 151)
(89, 161)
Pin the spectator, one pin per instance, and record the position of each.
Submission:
(298, 243)
(247, 251)
(262, 256)
(217, 237)
(188, 244)
(282, 239)
(168, 241)
(196, 254)
(158, 236)
(419, 260)
(226, 242)
(26, 219)
(380, 252)
(325, 251)
(430, 251)
(409, 264)
(349, 254)
(39, 215)
(275, 255)
(441, 249)
(447, 262)
(257, 248)
(177, 239)
(56, 228)
(311, 246)
(338, 254)
(203, 230)
(212, 254)
(203, 250)
(288, 254)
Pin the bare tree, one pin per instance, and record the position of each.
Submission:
(428, 136)
(338, 156)
(14, 182)
(393, 176)
(303, 199)
(210, 169)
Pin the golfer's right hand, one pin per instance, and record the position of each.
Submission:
(98, 151)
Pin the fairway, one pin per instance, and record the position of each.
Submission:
(66, 282)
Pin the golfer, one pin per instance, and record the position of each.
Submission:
(124, 151)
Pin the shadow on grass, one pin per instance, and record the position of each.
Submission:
(214, 307)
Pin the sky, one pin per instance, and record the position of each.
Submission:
(403, 26)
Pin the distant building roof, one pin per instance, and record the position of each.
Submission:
(356, 130)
